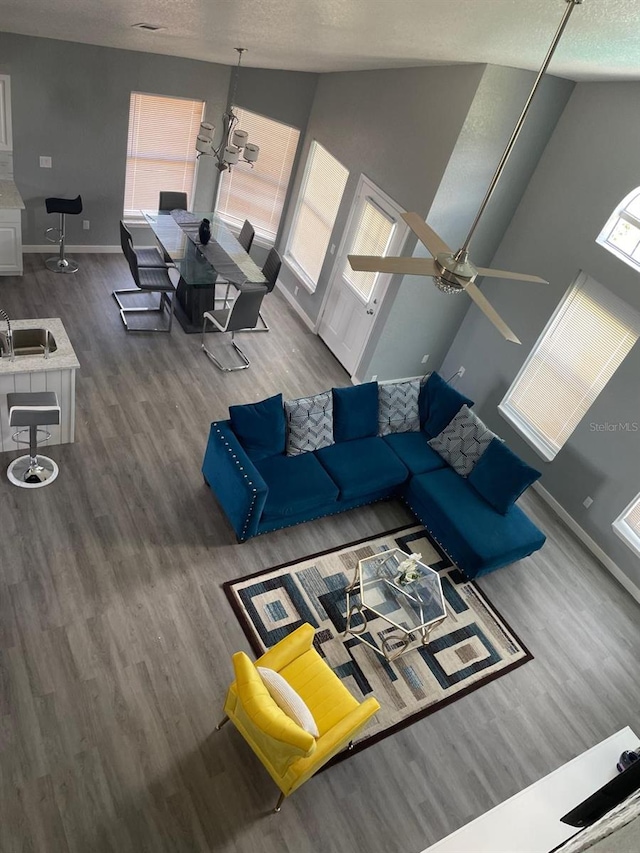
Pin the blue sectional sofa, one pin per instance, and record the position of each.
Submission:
(263, 483)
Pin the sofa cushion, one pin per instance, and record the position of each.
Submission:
(309, 423)
(296, 484)
(362, 467)
(438, 403)
(413, 449)
(398, 407)
(501, 477)
(476, 536)
(260, 427)
(355, 411)
(463, 441)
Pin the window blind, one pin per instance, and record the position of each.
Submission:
(632, 518)
(584, 343)
(627, 525)
(372, 235)
(161, 151)
(258, 194)
(621, 234)
(324, 183)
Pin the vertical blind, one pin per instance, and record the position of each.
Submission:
(372, 235)
(258, 194)
(586, 340)
(324, 183)
(161, 151)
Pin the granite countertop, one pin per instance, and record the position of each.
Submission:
(10, 198)
(64, 358)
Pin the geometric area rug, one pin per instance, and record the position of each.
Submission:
(471, 647)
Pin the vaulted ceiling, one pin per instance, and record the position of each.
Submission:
(602, 42)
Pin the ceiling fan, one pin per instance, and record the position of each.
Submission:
(454, 272)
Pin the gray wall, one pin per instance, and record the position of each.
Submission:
(422, 320)
(590, 164)
(362, 118)
(71, 101)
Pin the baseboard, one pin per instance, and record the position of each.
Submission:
(51, 249)
(592, 545)
(296, 307)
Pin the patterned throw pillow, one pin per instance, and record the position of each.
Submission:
(398, 407)
(309, 423)
(463, 441)
(288, 700)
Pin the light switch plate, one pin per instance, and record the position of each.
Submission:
(45, 162)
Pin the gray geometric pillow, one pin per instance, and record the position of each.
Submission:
(463, 441)
(398, 407)
(309, 423)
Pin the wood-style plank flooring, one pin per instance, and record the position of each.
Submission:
(115, 636)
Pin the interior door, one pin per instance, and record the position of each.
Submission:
(374, 227)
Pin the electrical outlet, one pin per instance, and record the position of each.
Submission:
(374, 377)
(461, 371)
(333, 248)
(425, 359)
(45, 162)
(587, 502)
(295, 290)
(86, 224)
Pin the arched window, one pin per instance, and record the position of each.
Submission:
(621, 234)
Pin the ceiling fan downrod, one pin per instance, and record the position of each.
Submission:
(571, 4)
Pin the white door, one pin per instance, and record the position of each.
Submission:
(374, 227)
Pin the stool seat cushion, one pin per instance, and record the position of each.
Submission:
(154, 279)
(150, 258)
(33, 408)
(64, 205)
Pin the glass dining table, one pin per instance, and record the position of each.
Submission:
(200, 267)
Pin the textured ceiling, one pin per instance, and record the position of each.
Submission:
(601, 43)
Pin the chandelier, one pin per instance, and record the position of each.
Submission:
(234, 142)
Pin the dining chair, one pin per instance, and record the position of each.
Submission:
(246, 235)
(271, 271)
(171, 201)
(147, 280)
(147, 258)
(242, 315)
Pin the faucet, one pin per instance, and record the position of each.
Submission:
(4, 316)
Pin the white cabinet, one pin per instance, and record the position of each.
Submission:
(10, 242)
(6, 141)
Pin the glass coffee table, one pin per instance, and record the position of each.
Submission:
(412, 608)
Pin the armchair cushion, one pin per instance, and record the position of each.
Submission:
(362, 467)
(295, 484)
(288, 700)
(355, 411)
(438, 403)
(260, 427)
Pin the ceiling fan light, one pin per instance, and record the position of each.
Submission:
(445, 286)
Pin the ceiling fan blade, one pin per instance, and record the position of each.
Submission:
(516, 276)
(426, 234)
(403, 266)
(490, 312)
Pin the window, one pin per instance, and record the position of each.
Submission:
(161, 151)
(627, 525)
(621, 234)
(324, 182)
(372, 235)
(258, 194)
(586, 340)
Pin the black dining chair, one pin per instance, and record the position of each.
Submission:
(147, 258)
(246, 235)
(171, 201)
(271, 271)
(241, 316)
(147, 280)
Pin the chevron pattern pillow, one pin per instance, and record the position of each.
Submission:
(398, 407)
(463, 441)
(309, 423)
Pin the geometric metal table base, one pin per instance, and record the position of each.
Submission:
(57, 264)
(32, 473)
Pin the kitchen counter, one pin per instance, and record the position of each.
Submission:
(10, 198)
(37, 373)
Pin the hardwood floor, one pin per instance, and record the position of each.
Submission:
(115, 636)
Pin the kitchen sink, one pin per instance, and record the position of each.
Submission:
(28, 342)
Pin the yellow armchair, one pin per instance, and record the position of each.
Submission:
(290, 754)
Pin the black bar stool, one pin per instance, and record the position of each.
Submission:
(30, 411)
(62, 206)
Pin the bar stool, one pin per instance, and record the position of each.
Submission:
(30, 411)
(62, 206)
